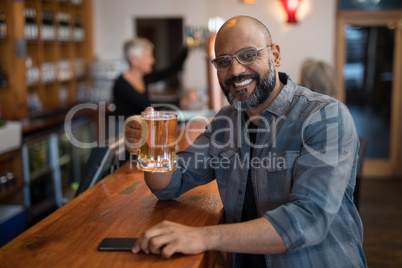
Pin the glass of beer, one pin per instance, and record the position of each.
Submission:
(158, 142)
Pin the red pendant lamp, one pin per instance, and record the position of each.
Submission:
(291, 7)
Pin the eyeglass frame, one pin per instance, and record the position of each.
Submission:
(256, 49)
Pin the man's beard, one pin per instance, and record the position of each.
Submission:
(260, 94)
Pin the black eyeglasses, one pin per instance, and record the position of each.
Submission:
(245, 57)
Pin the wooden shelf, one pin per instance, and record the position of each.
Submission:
(34, 86)
(50, 83)
(34, 42)
(49, 113)
(14, 189)
(14, 97)
(50, 42)
(15, 101)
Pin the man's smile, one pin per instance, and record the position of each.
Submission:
(243, 83)
(241, 88)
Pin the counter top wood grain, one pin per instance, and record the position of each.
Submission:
(121, 205)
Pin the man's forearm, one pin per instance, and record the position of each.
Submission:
(158, 181)
(256, 236)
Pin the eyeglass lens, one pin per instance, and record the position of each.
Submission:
(245, 57)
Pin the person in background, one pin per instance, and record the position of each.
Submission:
(130, 90)
(284, 159)
(318, 76)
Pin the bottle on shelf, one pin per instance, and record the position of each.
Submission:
(79, 31)
(48, 28)
(31, 28)
(34, 103)
(64, 70)
(64, 26)
(11, 179)
(7, 182)
(32, 72)
(55, 51)
(48, 72)
(3, 25)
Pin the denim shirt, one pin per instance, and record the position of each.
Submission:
(303, 174)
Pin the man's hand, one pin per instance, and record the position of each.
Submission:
(253, 237)
(167, 238)
(132, 132)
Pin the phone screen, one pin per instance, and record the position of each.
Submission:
(117, 244)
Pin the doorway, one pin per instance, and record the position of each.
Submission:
(166, 34)
(368, 77)
(368, 73)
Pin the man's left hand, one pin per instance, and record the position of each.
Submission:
(167, 238)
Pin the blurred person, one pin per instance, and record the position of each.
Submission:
(284, 159)
(130, 89)
(318, 76)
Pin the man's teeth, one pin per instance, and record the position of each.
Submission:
(245, 82)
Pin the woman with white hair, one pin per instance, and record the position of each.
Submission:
(130, 92)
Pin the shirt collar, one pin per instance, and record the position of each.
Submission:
(282, 102)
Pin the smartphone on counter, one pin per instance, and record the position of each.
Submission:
(117, 244)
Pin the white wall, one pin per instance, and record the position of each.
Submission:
(313, 36)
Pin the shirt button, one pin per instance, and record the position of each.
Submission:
(240, 192)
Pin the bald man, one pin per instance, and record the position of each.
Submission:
(284, 159)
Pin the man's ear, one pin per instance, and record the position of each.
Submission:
(276, 55)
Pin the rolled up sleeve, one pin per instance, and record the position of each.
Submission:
(320, 177)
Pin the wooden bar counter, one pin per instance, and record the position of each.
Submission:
(121, 205)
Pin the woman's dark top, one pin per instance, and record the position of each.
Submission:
(129, 101)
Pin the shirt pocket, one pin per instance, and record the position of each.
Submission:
(221, 160)
(280, 176)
